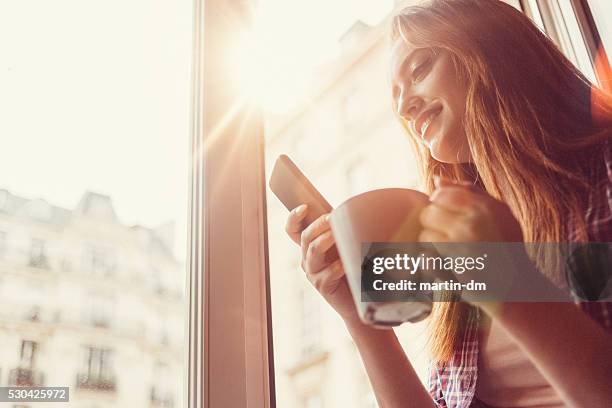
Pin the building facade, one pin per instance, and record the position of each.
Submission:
(346, 140)
(89, 303)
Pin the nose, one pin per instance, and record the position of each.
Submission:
(408, 106)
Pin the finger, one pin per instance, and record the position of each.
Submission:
(326, 276)
(315, 254)
(294, 225)
(318, 226)
(438, 218)
(428, 235)
(322, 243)
(457, 198)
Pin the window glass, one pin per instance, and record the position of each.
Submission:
(576, 49)
(359, 177)
(2, 243)
(340, 114)
(310, 334)
(515, 3)
(534, 13)
(93, 198)
(602, 14)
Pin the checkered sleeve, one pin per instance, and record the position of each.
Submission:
(434, 386)
(452, 384)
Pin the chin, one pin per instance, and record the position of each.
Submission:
(446, 151)
(441, 152)
(445, 158)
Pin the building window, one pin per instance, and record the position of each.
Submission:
(28, 354)
(24, 375)
(101, 310)
(99, 261)
(38, 256)
(97, 372)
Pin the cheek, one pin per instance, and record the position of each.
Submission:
(451, 145)
(451, 89)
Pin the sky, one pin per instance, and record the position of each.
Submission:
(95, 95)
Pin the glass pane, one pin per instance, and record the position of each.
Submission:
(577, 49)
(602, 13)
(326, 99)
(515, 3)
(93, 198)
(534, 12)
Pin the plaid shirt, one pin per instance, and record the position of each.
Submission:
(453, 384)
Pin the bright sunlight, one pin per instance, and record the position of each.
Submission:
(289, 41)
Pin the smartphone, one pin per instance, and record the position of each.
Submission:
(293, 189)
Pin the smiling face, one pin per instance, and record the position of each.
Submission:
(428, 94)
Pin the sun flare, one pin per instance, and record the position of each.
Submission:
(267, 71)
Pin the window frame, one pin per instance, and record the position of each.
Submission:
(228, 290)
(228, 285)
(587, 25)
(548, 11)
(600, 58)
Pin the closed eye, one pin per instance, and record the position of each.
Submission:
(420, 71)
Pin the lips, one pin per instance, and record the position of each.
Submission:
(426, 117)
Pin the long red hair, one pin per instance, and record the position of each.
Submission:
(528, 121)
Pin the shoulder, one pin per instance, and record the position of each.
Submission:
(601, 312)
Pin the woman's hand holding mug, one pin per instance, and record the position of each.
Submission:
(461, 212)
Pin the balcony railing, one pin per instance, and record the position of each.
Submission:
(25, 377)
(96, 383)
(161, 399)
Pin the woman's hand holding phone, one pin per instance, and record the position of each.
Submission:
(327, 276)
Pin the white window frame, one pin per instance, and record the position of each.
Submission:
(229, 358)
(588, 27)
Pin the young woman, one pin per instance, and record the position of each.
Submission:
(514, 146)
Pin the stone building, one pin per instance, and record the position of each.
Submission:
(90, 303)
